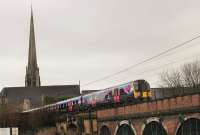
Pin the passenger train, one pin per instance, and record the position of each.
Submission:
(130, 92)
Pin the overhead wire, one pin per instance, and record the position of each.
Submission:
(170, 63)
(142, 62)
(149, 72)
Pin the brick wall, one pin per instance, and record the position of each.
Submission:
(160, 105)
(47, 131)
(170, 123)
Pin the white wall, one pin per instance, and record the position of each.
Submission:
(4, 131)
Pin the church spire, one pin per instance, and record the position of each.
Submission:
(32, 58)
(32, 71)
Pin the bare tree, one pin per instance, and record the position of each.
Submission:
(188, 75)
(191, 74)
(171, 79)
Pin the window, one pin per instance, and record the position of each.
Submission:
(122, 91)
(136, 85)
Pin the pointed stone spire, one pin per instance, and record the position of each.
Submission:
(32, 58)
(32, 71)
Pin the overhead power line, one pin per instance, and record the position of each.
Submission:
(142, 62)
(165, 65)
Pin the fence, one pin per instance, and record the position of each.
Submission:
(162, 93)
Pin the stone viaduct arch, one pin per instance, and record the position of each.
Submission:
(125, 128)
(153, 126)
(105, 130)
(190, 126)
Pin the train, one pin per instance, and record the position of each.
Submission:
(130, 92)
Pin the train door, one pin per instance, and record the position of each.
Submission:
(93, 102)
(123, 95)
(75, 105)
(116, 95)
(70, 107)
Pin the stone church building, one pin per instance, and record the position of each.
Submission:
(32, 95)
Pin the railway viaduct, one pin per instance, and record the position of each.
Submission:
(174, 115)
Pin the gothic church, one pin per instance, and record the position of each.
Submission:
(33, 93)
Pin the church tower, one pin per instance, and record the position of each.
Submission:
(32, 78)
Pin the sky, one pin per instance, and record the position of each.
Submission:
(89, 39)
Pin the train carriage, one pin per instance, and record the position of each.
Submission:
(122, 94)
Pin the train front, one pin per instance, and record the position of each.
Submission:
(142, 89)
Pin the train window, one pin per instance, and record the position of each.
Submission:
(106, 97)
(69, 103)
(109, 95)
(74, 102)
(136, 85)
(122, 91)
(143, 85)
(84, 101)
(79, 101)
(148, 86)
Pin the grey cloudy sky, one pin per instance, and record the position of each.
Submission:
(89, 39)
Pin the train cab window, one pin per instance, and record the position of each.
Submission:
(136, 85)
(148, 86)
(145, 86)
